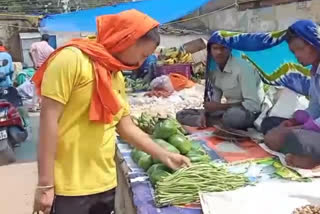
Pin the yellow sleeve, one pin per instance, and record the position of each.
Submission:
(126, 109)
(61, 75)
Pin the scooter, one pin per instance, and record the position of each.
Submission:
(13, 131)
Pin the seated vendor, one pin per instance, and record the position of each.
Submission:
(147, 69)
(232, 78)
(299, 136)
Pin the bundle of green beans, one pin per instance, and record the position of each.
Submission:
(184, 185)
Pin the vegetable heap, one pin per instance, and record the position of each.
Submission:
(308, 209)
(184, 185)
(146, 122)
(169, 56)
(137, 84)
(168, 134)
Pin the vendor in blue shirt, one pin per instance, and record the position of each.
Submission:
(147, 69)
(6, 68)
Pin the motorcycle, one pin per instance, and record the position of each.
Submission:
(13, 129)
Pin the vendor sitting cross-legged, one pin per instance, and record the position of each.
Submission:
(234, 79)
(299, 136)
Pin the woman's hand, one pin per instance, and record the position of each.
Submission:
(43, 200)
(173, 160)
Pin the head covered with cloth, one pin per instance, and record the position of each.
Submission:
(123, 41)
(270, 53)
(217, 54)
(303, 38)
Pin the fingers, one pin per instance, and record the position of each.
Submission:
(186, 161)
(43, 201)
(47, 210)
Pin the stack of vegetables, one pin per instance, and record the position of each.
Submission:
(184, 185)
(169, 56)
(146, 122)
(137, 84)
(169, 134)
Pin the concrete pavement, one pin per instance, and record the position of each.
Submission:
(18, 180)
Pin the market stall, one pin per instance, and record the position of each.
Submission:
(240, 162)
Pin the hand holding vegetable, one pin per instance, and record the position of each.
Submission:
(173, 160)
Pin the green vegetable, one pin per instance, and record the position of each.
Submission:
(181, 143)
(158, 175)
(196, 146)
(183, 186)
(166, 146)
(181, 130)
(165, 129)
(137, 154)
(201, 158)
(145, 162)
(195, 153)
(158, 166)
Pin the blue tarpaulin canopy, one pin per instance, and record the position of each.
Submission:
(163, 11)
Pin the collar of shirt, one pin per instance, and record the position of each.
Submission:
(228, 66)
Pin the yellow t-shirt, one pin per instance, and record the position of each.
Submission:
(84, 162)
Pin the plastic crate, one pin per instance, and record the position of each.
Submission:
(183, 69)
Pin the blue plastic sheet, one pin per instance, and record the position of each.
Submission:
(163, 11)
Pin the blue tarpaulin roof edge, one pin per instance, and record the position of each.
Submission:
(163, 11)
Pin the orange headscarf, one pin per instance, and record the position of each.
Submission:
(115, 33)
(3, 49)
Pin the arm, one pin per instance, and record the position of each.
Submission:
(212, 98)
(31, 54)
(310, 118)
(215, 106)
(50, 113)
(314, 107)
(132, 134)
(31, 57)
(250, 89)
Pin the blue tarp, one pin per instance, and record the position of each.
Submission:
(163, 11)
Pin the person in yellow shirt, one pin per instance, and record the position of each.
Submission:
(83, 106)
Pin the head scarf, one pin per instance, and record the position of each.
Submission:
(211, 66)
(3, 49)
(270, 55)
(308, 31)
(115, 34)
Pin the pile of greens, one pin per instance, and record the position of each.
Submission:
(183, 186)
(137, 84)
(168, 134)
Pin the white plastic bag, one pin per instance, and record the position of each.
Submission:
(26, 90)
(163, 83)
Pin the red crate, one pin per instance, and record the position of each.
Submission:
(183, 69)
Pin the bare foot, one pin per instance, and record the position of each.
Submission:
(303, 162)
(274, 139)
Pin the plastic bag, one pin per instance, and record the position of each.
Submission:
(162, 83)
(26, 90)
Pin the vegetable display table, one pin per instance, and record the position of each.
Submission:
(134, 193)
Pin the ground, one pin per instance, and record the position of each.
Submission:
(18, 180)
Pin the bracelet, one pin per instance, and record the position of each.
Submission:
(45, 187)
